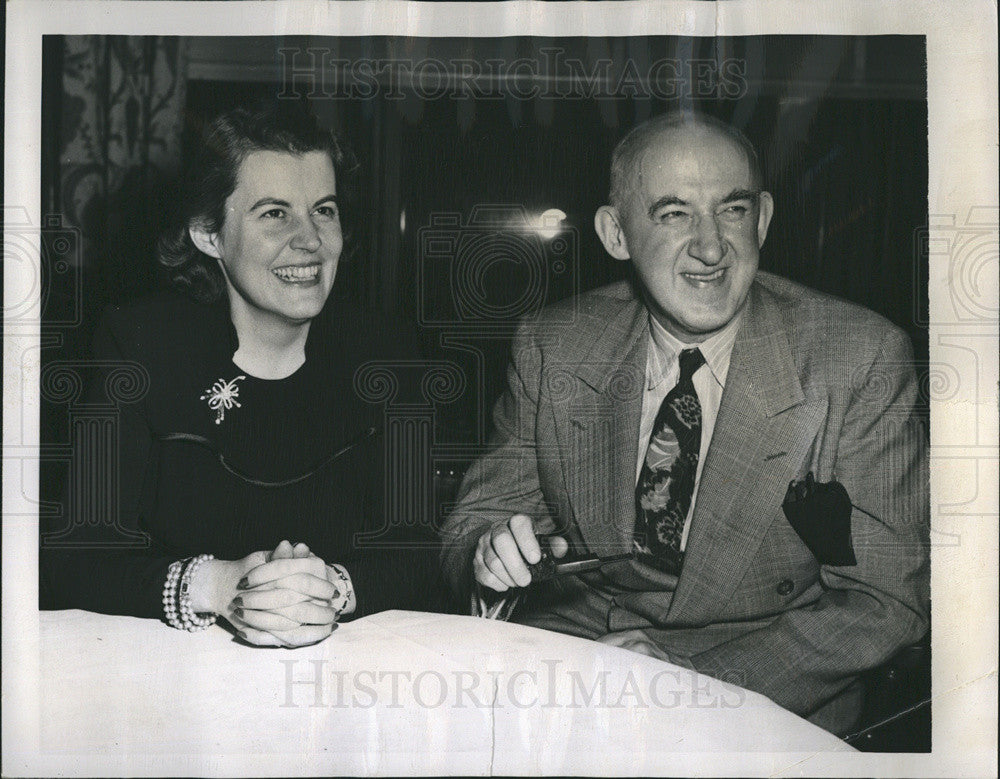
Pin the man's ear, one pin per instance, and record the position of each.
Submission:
(608, 223)
(765, 207)
(205, 241)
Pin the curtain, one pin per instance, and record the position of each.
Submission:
(119, 118)
(112, 115)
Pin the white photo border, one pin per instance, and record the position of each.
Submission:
(962, 120)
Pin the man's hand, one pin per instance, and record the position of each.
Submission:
(635, 641)
(504, 552)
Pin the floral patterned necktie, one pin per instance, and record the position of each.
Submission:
(666, 480)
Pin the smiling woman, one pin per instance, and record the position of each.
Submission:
(292, 235)
(278, 250)
(251, 432)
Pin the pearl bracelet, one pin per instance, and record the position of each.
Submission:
(170, 593)
(177, 595)
(189, 620)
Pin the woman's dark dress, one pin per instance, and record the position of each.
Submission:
(177, 492)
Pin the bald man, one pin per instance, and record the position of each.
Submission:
(666, 425)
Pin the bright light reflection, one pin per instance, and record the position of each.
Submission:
(549, 223)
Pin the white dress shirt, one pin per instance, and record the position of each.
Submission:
(662, 375)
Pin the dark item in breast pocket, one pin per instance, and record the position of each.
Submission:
(820, 512)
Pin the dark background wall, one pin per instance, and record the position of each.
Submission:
(841, 123)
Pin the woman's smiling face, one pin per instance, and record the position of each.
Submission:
(281, 237)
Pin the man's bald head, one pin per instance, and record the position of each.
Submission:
(628, 153)
(689, 214)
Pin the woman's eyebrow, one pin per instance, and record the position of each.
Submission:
(274, 201)
(270, 201)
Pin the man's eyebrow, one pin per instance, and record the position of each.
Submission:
(733, 196)
(666, 200)
(741, 194)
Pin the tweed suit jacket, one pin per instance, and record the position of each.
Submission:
(814, 383)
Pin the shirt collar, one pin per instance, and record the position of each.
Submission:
(717, 350)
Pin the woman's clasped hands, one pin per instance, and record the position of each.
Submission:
(283, 598)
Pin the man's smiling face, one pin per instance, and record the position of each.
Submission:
(692, 226)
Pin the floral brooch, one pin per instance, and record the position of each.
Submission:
(221, 397)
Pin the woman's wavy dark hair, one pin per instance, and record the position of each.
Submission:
(211, 178)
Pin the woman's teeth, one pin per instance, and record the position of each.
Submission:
(297, 272)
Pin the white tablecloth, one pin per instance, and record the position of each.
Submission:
(398, 692)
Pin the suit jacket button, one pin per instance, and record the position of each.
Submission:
(785, 587)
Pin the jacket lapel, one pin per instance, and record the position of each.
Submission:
(764, 430)
(598, 427)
